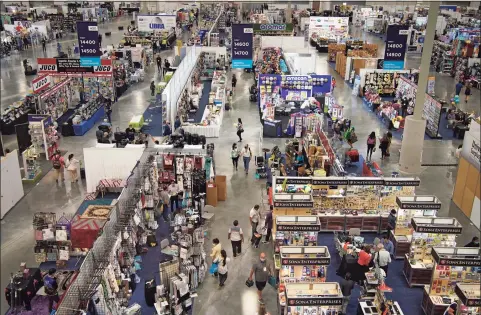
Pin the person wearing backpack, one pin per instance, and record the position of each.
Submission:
(58, 164)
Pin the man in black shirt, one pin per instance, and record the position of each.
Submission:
(474, 242)
(346, 287)
(159, 64)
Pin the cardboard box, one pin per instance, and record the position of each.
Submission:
(221, 183)
(211, 190)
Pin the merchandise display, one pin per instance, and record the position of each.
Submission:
(313, 298)
(342, 203)
(408, 208)
(379, 305)
(295, 231)
(428, 233)
(86, 115)
(17, 113)
(470, 297)
(451, 266)
(56, 100)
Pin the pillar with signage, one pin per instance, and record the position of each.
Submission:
(427, 233)
(242, 46)
(451, 264)
(408, 208)
(396, 43)
(89, 46)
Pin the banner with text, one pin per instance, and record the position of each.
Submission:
(396, 43)
(149, 23)
(242, 46)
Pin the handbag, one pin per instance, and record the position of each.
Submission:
(272, 282)
(214, 268)
(249, 283)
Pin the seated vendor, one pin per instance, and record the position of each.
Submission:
(130, 129)
(299, 160)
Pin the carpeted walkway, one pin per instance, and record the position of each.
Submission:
(408, 298)
(196, 117)
(153, 119)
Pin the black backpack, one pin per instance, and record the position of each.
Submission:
(56, 163)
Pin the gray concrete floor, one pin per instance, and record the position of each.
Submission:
(243, 191)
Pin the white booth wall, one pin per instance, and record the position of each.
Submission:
(178, 81)
(12, 188)
(301, 64)
(287, 43)
(109, 163)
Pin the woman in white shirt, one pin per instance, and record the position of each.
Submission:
(72, 168)
(224, 262)
(246, 155)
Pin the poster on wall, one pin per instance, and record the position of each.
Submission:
(396, 42)
(328, 27)
(149, 23)
(88, 40)
(242, 39)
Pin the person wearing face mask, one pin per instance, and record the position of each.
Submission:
(391, 221)
(254, 218)
(261, 269)
(474, 242)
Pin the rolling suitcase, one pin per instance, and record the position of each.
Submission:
(119, 135)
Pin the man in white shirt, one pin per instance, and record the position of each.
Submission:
(236, 237)
(254, 218)
(174, 190)
(382, 258)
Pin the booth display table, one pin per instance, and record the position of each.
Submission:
(432, 304)
(418, 274)
(86, 125)
(401, 243)
(137, 122)
(209, 131)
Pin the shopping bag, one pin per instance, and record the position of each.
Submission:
(272, 282)
(213, 268)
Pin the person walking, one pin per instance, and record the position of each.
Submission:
(167, 130)
(174, 191)
(268, 224)
(44, 45)
(261, 271)
(177, 123)
(215, 255)
(159, 64)
(223, 267)
(165, 198)
(391, 221)
(152, 88)
(382, 258)
(459, 87)
(72, 168)
(58, 164)
(246, 156)
(234, 82)
(234, 154)
(371, 145)
(254, 218)
(240, 129)
(108, 109)
(467, 91)
(236, 237)
(346, 284)
(100, 40)
(384, 143)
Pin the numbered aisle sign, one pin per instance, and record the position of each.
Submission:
(396, 43)
(88, 40)
(41, 83)
(242, 39)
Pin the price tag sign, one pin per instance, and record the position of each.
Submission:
(88, 39)
(396, 43)
(242, 40)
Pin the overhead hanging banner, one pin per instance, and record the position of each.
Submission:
(328, 27)
(272, 28)
(242, 46)
(88, 40)
(149, 23)
(396, 44)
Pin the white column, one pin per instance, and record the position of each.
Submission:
(289, 13)
(413, 137)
